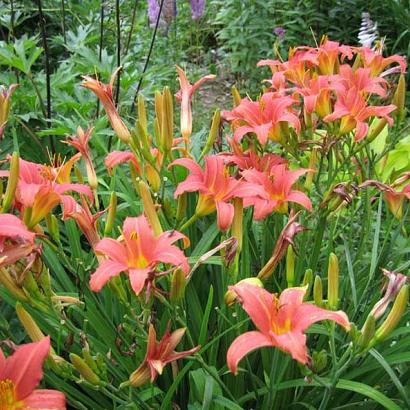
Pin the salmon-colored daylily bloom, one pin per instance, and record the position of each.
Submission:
(137, 252)
(262, 117)
(80, 142)
(21, 373)
(250, 159)
(353, 111)
(83, 216)
(39, 191)
(280, 322)
(104, 92)
(316, 96)
(276, 185)
(5, 96)
(16, 241)
(360, 79)
(395, 281)
(393, 195)
(377, 63)
(216, 188)
(115, 158)
(328, 56)
(158, 355)
(184, 96)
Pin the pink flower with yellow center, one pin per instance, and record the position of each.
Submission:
(276, 187)
(353, 111)
(377, 63)
(137, 252)
(216, 188)
(104, 92)
(281, 322)
(21, 373)
(158, 355)
(262, 117)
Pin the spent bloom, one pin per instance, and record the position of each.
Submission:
(137, 252)
(21, 373)
(216, 188)
(158, 355)
(5, 96)
(184, 96)
(395, 281)
(104, 92)
(281, 322)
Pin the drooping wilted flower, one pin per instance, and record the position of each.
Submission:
(197, 8)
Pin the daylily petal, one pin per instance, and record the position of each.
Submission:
(138, 278)
(243, 345)
(294, 343)
(299, 198)
(25, 367)
(113, 249)
(225, 213)
(105, 271)
(45, 400)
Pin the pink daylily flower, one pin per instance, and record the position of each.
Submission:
(316, 96)
(158, 355)
(353, 111)
(262, 117)
(104, 92)
(38, 189)
(83, 216)
(328, 56)
(80, 143)
(184, 96)
(137, 252)
(115, 158)
(360, 79)
(16, 241)
(277, 190)
(216, 188)
(21, 373)
(377, 63)
(281, 322)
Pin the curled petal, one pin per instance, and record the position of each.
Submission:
(294, 343)
(107, 270)
(138, 278)
(243, 345)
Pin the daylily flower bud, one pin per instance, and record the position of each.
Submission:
(290, 267)
(178, 284)
(153, 177)
(308, 281)
(236, 96)
(167, 131)
(158, 114)
(395, 314)
(318, 291)
(112, 210)
(333, 282)
(52, 227)
(399, 98)
(139, 377)
(231, 296)
(149, 208)
(367, 332)
(12, 182)
(140, 140)
(5, 96)
(31, 286)
(376, 128)
(29, 324)
(181, 207)
(237, 223)
(319, 361)
(213, 134)
(7, 281)
(142, 113)
(310, 173)
(83, 368)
